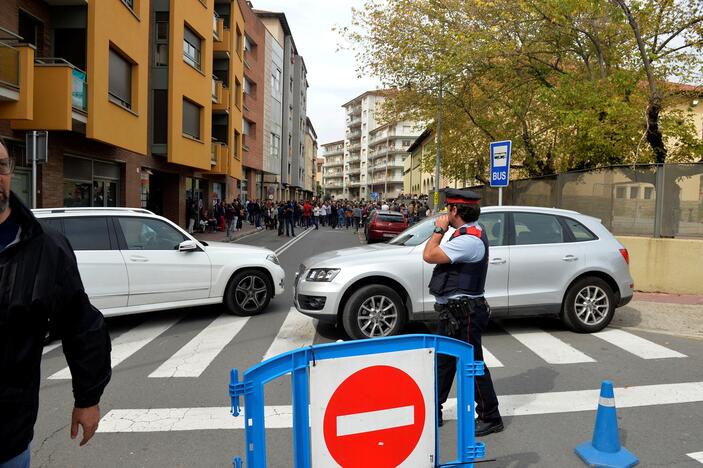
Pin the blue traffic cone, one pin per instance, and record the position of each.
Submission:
(605, 449)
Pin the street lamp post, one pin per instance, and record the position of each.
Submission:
(439, 141)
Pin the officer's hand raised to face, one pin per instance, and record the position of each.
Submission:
(442, 221)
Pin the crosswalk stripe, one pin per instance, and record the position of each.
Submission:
(637, 345)
(547, 346)
(698, 456)
(193, 358)
(490, 360)
(50, 348)
(279, 417)
(130, 342)
(298, 330)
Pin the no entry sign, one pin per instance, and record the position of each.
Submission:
(373, 411)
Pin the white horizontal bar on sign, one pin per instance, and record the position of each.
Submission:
(193, 358)
(369, 421)
(547, 346)
(281, 417)
(130, 342)
(637, 345)
(698, 456)
(297, 331)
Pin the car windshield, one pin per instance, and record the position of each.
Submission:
(389, 218)
(415, 235)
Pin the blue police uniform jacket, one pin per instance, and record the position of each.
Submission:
(449, 279)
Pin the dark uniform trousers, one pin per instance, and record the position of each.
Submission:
(470, 329)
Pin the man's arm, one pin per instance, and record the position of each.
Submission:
(86, 345)
(433, 253)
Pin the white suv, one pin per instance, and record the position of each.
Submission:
(133, 261)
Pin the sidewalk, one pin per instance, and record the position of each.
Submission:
(219, 236)
(673, 314)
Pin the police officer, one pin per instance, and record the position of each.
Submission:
(457, 283)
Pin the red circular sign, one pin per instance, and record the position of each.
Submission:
(374, 419)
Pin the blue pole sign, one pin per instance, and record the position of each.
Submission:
(500, 163)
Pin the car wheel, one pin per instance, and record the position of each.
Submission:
(589, 305)
(248, 293)
(373, 311)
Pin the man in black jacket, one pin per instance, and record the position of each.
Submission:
(40, 285)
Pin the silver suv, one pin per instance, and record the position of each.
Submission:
(542, 262)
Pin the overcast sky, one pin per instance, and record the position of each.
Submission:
(332, 75)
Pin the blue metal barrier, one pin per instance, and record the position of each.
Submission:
(297, 363)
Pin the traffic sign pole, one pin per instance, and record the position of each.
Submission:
(500, 196)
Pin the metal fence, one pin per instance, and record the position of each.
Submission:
(644, 200)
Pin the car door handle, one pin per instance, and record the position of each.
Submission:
(136, 258)
(497, 261)
(570, 258)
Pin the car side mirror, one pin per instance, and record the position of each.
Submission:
(187, 246)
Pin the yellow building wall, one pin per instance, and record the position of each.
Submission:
(23, 108)
(186, 81)
(52, 99)
(665, 265)
(236, 73)
(112, 24)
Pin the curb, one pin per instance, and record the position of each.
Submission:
(659, 332)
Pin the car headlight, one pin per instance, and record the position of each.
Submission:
(273, 259)
(322, 274)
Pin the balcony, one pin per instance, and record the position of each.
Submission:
(216, 89)
(218, 26)
(222, 104)
(354, 148)
(218, 158)
(223, 47)
(353, 123)
(16, 81)
(356, 110)
(354, 159)
(334, 152)
(356, 170)
(354, 183)
(334, 185)
(354, 135)
(60, 96)
(334, 163)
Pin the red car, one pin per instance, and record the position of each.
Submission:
(384, 225)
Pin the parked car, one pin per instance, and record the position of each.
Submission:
(384, 225)
(542, 261)
(133, 261)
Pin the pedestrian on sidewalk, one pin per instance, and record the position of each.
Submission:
(357, 217)
(290, 218)
(229, 220)
(41, 291)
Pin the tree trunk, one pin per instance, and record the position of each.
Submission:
(654, 133)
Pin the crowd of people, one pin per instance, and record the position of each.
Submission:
(285, 216)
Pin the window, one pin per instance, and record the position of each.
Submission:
(276, 81)
(160, 117)
(150, 234)
(88, 233)
(619, 192)
(120, 85)
(648, 192)
(90, 183)
(634, 192)
(579, 231)
(161, 41)
(191, 119)
(238, 41)
(236, 143)
(237, 93)
(275, 145)
(191, 47)
(534, 228)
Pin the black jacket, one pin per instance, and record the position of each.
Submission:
(40, 284)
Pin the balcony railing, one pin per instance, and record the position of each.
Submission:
(354, 122)
(335, 163)
(9, 65)
(79, 90)
(356, 147)
(356, 170)
(354, 159)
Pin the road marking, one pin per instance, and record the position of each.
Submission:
(50, 348)
(193, 358)
(281, 417)
(297, 331)
(130, 342)
(698, 456)
(285, 246)
(637, 345)
(490, 360)
(379, 420)
(547, 346)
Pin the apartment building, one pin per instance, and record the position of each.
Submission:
(333, 169)
(255, 94)
(310, 151)
(319, 163)
(142, 100)
(373, 152)
(286, 130)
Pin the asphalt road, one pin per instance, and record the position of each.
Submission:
(179, 409)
